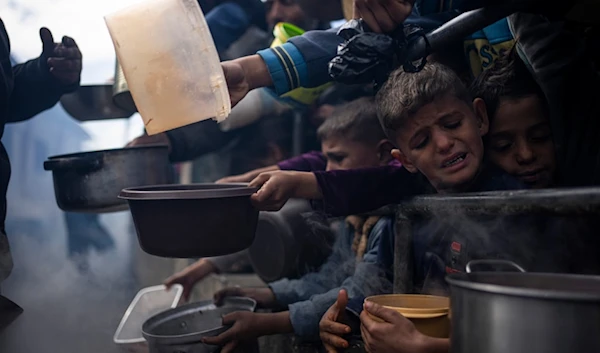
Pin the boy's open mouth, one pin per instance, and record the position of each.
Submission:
(454, 160)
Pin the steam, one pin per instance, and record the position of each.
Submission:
(359, 278)
(66, 310)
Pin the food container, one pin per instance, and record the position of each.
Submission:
(181, 330)
(195, 220)
(170, 63)
(429, 314)
(147, 303)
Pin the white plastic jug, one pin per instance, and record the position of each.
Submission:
(170, 63)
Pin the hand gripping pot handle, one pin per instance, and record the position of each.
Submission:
(493, 263)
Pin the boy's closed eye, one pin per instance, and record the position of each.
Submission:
(335, 157)
(540, 133)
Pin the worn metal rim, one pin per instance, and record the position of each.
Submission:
(188, 191)
(111, 151)
(465, 281)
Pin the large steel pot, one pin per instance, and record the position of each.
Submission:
(499, 312)
(92, 181)
(181, 330)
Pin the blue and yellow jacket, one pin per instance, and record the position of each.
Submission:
(303, 61)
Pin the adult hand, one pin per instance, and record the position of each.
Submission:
(245, 326)
(264, 296)
(63, 59)
(245, 74)
(191, 275)
(277, 187)
(383, 16)
(396, 334)
(144, 140)
(330, 330)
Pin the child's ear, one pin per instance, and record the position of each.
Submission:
(481, 114)
(384, 151)
(400, 157)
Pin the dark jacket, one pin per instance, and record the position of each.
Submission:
(25, 90)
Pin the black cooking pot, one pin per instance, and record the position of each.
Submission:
(195, 220)
(498, 312)
(92, 181)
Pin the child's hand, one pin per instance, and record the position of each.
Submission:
(246, 326)
(264, 295)
(330, 329)
(277, 187)
(191, 275)
(396, 334)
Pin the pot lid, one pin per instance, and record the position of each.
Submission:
(188, 191)
(191, 322)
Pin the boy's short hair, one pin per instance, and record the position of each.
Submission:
(404, 94)
(508, 78)
(356, 120)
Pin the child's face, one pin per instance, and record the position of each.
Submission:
(521, 143)
(443, 141)
(344, 153)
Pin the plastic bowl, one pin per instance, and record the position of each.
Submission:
(196, 220)
(429, 314)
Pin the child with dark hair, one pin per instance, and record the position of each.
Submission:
(438, 130)
(520, 138)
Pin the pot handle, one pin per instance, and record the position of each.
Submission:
(493, 262)
(83, 164)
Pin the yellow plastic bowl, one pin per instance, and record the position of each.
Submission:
(429, 314)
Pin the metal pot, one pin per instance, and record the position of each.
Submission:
(121, 94)
(499, 312)
(181, 330)
(92, 181)
(285, 245)
(93, 102)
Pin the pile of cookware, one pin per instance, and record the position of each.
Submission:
(171, 220)
(155, 322)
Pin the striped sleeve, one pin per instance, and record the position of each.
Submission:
(286, 66)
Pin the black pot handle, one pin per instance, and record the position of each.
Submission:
(492, 263)
(82, 164)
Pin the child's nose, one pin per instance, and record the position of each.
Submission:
(443, 141)
(525, 154)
